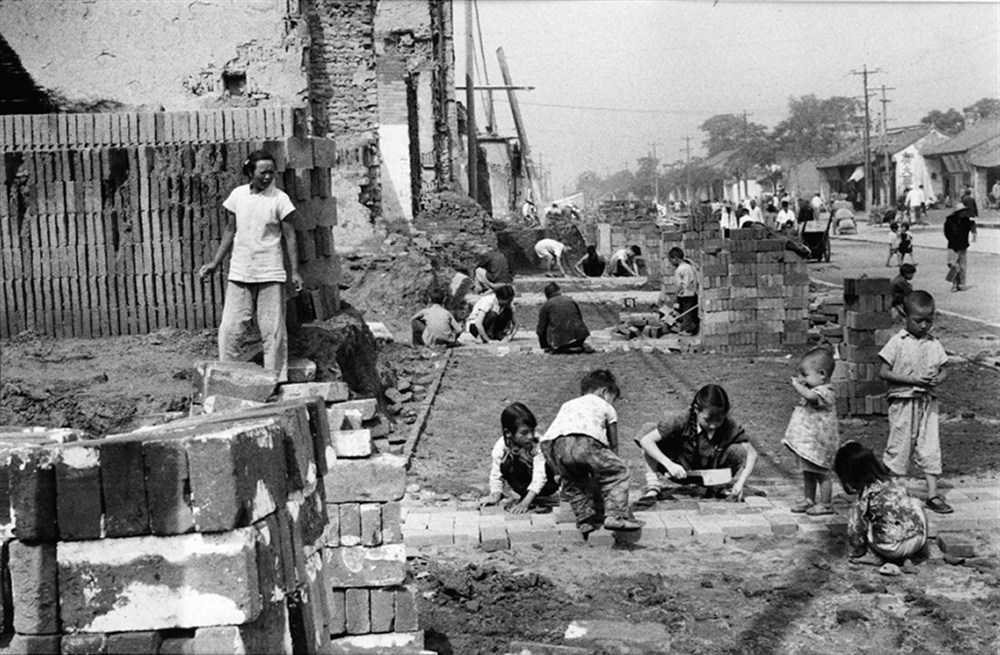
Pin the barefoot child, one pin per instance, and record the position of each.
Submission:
(582, 446)
(885, 523)
(913, 363)
(704, 437)
(517, 460)
(813, 434)
(259, 231)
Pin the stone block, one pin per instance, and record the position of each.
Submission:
(371, 524)
(707, 531)
(782, 522)
(336, 602)
(78, 487)
(392, 524)
(350, 524)
(366, 406)
(32, 480)
(84, 644)
(377, 479)
(168, 486)
(34, 587)
(227, 404)
(956, 544)
(352, 444)
(123, 487)
(331, 392)
(383, 611)
(389, 642)
(155, 583)
(677, 524)
(130, 643)
(358, 611)
(358, 566)
(301, 369)
(405, 607)
(235, 379)
(35, 644)
(493, 538)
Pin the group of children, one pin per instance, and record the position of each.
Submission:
(900, 243)
(579, 450)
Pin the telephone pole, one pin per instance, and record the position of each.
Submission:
(470, 105)
(887, 173)
(687, 167)
(746, 139)
(864, 72)
(656, 175)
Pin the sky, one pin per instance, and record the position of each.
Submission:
(614, 77)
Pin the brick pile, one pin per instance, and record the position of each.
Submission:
(452, 227)
(754, 293)
(867, 326)
(646, 235)
(259, 527)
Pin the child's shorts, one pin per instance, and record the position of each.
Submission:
(808, 467)
(913, 427)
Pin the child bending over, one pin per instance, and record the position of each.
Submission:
(435, 325)
(517, 460)
(813, 434)
(582, 446)
(885, 523)
(704, 437)
(913, 363)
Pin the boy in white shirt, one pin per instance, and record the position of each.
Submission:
(517, 459)
(687, 291)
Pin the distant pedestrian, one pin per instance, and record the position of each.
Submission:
(913, 363)
(893, 243)
(905, 246)
(551, 252)
(901, 287)
(957, 227)
(727, 219)
(885, 523)
(785, 220)
(813, 433)
(915, 205)
(591, 264)
(560, 323)
(259, 230)
(516, 459)
(582, 447)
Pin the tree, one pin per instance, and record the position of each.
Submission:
(985, 108)
(950, 122)
(724, 131)
(817, 128)
(645, 178)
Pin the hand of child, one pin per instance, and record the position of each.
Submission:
(676, 471)
(297, 281)
(735, 494)
(518, 508)
(492, 499)
(206, 270)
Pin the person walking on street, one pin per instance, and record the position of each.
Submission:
(957, 227)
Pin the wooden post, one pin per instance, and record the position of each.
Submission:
(522, 137)
(470, 106)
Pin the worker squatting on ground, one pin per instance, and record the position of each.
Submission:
(434, 325)
(492, 271)
(622, 262)
(517, 459)
(260, 234)
(492, 317)
(560, 323)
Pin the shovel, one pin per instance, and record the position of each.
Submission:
(712, 477)
(670, 320)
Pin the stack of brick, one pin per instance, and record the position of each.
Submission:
(754, 293)
(250, 529)
(867, 325)
(646, 235)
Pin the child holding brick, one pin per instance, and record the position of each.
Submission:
(260, 233)
(913, 363)
(813, 433)
(582, 447)
(687, 291)
(435, 325)
(901, 287)
(517, 460)
(884, 523)
(704, 437)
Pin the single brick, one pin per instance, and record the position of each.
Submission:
(377, 479)
(123, 487)
(357, 566)
(178, 642)
(956, 544)
(707, 531)
(4, 488)
(78, 488)
(745, 525)
(677, 525)
(33, 494)
(316, 587)
(34, 587)
(35, 644)
(335, 600)
(292, 564)
(312, 519)
(388, 642)
(226, 404)
(350, 524)
(301, 369)
(129, 643)
(331, 392)
(378, 425)
(236, 380)
(344, 419)
(358, 613)
(371, 524)
(306, 634)
(782, 522)
(352, 444)
(536, 648)
(493, 538)
(6, 601)
(167, 487)
(383, 609)
(406, 603)
(366, 406)
(463, 535)
(154, 583)
(270, 571)
(392, 525)
(84, 644)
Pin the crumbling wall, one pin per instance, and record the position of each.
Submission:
(137, 54)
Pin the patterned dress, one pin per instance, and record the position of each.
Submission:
(813, 433)
(884, 518)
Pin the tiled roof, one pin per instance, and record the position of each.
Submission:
(896, 140)
(977, 134)
(986, 155)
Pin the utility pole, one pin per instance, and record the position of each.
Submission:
(864, 72)
(887, 173)
(470, 105)
(522, 136)
(746, 139)
(656, 173)
(491, 120)
(687, 168)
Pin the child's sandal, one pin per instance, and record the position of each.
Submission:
(648, 499)
(819, 509)
(801, 507)
(937, 504)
